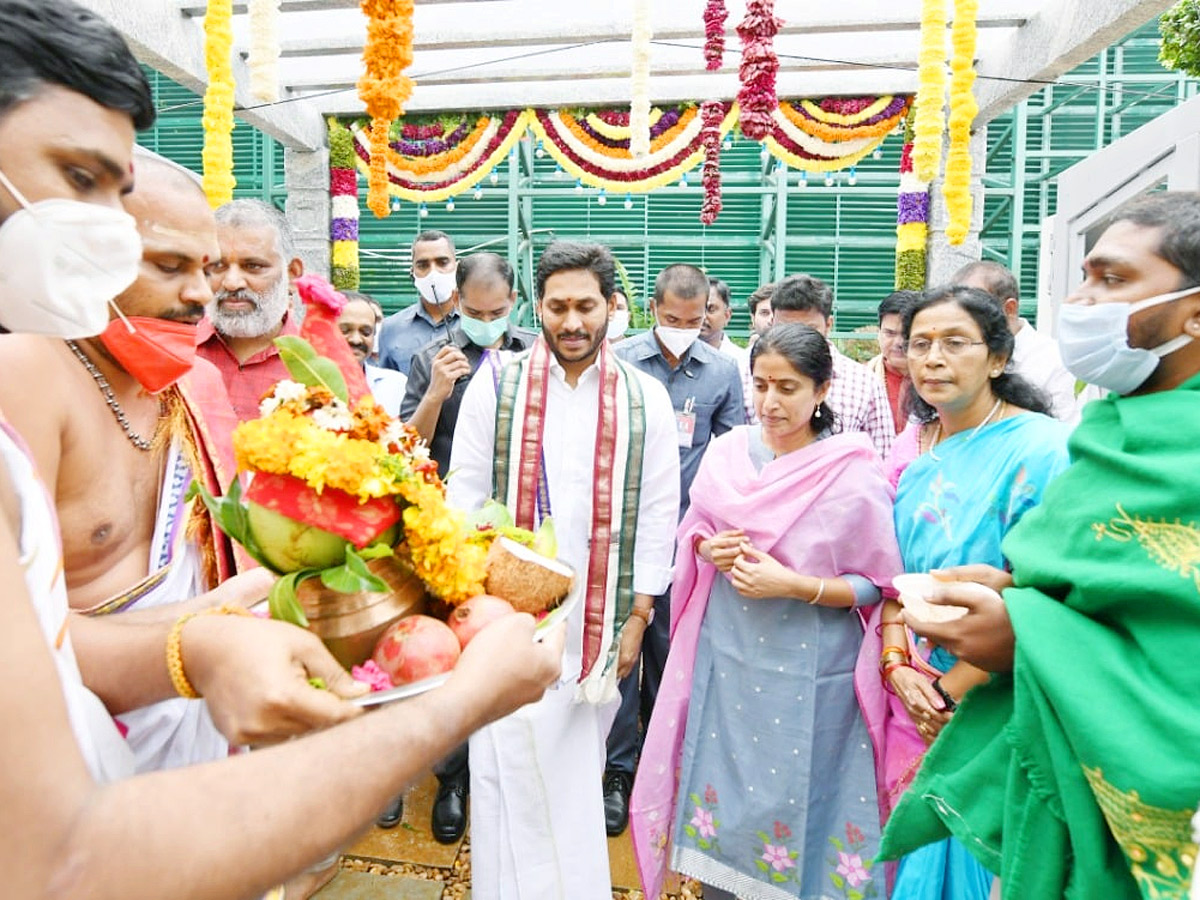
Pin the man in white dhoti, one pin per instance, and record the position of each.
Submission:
(121, 450)
(566, 429)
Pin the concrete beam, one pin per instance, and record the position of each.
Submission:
(197, 10)
(1056, 39)
(162, 38)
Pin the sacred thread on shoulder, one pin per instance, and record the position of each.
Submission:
(1175, 546)
(1157, 841)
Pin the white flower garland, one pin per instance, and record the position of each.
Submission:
(564, 135)
(639, 108)
(264, 50)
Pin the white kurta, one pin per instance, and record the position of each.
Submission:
(1036, 359)
(537, 817)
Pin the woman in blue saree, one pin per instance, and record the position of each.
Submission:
(987, 450)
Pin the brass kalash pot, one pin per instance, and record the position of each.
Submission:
(351, 624)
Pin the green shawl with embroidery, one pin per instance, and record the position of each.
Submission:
(1077, 775)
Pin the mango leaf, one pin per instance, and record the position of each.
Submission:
(309, 368)
(493, 513)
(232, 518)
(283, 602)
(352, 576)
(376, 551)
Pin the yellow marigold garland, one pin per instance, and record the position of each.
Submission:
(833, 118)
(956, 183)
(451, 566)
(931, 91)
(217, 155)
(384, 88)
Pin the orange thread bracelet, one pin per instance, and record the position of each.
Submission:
(179, 679)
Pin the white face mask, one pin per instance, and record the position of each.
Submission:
(436, 287)
(677, 340)
(61, 263)
(1094, 342)
(618, 324)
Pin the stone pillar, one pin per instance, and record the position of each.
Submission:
(306, 177)
(943, 260)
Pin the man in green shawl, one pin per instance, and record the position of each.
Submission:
(1075, 771)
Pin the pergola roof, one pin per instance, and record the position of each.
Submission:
(486, 54)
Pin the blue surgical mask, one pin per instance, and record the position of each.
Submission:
(480, 333)
(1094, 342)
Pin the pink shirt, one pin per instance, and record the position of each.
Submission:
(247, 381)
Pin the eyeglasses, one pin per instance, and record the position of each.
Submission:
(918, 348)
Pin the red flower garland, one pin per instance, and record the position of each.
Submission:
(759, 68)
(715, 15)
(712, 113)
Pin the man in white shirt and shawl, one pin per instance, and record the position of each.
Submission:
(566, 429)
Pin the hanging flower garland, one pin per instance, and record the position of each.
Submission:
(639, 108)
(613, 124)
(428, 162)
(803, 142)
(931, 91)
(602, 162)
(715, 15)
(264, 50)
(217, 156)
(384, 88)
(343, 192)
(912, 220)
(712, 113)
(956, 183)
(759, 67)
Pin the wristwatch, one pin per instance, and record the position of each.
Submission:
(646, 616)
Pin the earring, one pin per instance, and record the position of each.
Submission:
(817, 413)
(996, 374)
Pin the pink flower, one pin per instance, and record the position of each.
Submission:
(702, 821)
(851, 868)
(776, 856)
(369, 673)
(315, 288)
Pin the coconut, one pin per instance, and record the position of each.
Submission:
(289, 545)
(531, 582)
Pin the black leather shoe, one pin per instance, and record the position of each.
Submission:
(617, 786)
(391, 816)
(449, 819)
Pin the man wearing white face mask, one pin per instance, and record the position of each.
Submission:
(1089, 745)
(404, 333)
(706, 393)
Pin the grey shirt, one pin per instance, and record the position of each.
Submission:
(405, 332)
(705, 382)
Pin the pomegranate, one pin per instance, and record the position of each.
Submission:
(415, 648)
(471, 617)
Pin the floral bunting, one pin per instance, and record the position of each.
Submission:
(759, 67)
(264, 50)
(956, 182)
(834, 133)
(912, 219)
(343, 194)
(383, 87)
(217, 156)
(438, 160)
(602, 161)
(639, 108)
(715, 15)
(931, 91)
(712, 114)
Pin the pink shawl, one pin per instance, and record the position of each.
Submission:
(824, 510)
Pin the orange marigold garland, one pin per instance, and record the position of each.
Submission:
(383, 87)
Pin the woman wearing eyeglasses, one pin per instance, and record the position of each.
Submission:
(980, 453)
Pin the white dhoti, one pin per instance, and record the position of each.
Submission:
(178, 732)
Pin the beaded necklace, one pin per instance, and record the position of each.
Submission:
(111, 399)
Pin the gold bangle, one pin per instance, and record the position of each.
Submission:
(179, 679)
(820, 590)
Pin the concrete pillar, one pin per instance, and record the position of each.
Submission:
(943, 260)
(306, 177)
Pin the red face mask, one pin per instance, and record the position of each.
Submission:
(157, 352)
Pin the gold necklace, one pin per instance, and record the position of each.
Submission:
(111, 399)
(937, 435)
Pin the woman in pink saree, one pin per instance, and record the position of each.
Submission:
(757, 775)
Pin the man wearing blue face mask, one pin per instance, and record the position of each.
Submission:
(1074, 772)
(434, 261)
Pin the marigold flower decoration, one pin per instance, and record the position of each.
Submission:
(217, 156)
(384, 88)
(715, 15)
(639, 108)
(931, 91)
(956, 183)
(760, 65)
(264, 50)
(712, 112)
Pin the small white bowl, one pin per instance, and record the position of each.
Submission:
(915, 589)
